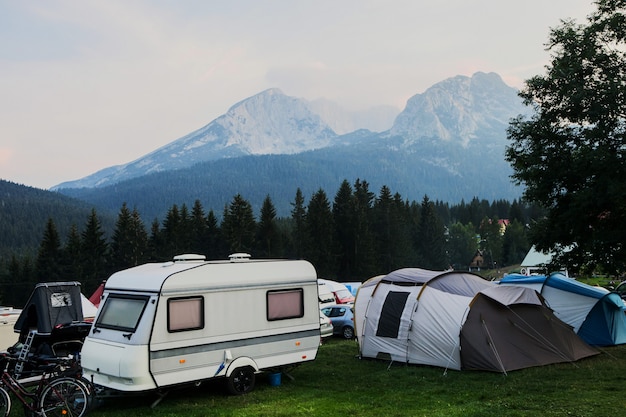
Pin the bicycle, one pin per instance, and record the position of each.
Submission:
(53, 395)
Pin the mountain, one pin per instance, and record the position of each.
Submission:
(448, 143)
(267, 123)
(461, 110)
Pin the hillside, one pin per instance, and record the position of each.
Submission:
(24, 212)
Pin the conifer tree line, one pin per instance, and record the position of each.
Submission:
(351, 237)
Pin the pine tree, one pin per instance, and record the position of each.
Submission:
(391, 234)
(156, 244)
(491, 241)
(320, 230)
(72, 256)
(171, 233)
(129, 243)
(462, 244)
(298, 233)
(431, 242)
(364, 262)
(49, 265)
(238, 225)
(215, 244)
(267, 234)
(94, 254)
(345, 233)
(199, 230)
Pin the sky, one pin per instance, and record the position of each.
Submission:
(86, 85)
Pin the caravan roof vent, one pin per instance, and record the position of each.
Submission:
(239, 257)
(189, 257)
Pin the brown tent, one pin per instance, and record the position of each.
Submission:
(508, 330)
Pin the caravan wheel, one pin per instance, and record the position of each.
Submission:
(241, 381)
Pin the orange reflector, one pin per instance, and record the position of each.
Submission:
(297, 343)
(182, 361)
(64, 412)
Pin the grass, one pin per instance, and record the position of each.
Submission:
(338, 383)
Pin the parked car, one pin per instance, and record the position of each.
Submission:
(621, 290)
(326, 326)
(342, 318)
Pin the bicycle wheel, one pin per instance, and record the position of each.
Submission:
(5, 403)
(64, 397)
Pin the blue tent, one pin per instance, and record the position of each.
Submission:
(596, 315)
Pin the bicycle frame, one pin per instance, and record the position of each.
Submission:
(26, 397)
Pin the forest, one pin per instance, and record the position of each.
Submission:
(352, 236)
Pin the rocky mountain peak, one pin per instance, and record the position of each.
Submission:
(460, 109)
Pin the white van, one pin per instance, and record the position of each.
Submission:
(162, 324)
(341, 294)
(325, 295)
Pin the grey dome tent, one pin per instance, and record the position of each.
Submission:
(458, 320)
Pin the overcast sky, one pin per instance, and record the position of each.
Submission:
(85, 85)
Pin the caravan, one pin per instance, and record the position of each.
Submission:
(163, 324)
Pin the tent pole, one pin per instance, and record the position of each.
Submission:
(492, 345)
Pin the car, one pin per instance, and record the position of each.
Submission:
(326, 326)
(342, 317)
(621, 290)
(340, 292)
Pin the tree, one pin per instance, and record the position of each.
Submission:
(364, 262)
(491, 238)
(48, 262)
(94, 250)
(129, 244)
(514, 245)
(215, 249)
(570, 153)
(238, 225)
(345, 233)
(199, 230)
(298, 234)
(319, 227)
(462, 244)
(72, 263)
(431, 243)
(267, 230)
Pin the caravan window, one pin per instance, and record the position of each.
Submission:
(122, 312)
(285, 304)
(185, 314)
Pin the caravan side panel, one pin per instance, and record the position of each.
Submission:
(236, 324)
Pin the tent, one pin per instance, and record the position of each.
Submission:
(458, 320)
(536, 262)
(51, 304)
(597, 315)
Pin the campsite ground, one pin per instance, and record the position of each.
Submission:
(338, 383)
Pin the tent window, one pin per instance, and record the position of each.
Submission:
(389, 323)
(60, 299)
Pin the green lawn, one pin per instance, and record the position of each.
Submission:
(337, 383)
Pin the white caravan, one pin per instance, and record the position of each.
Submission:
(162, 324)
